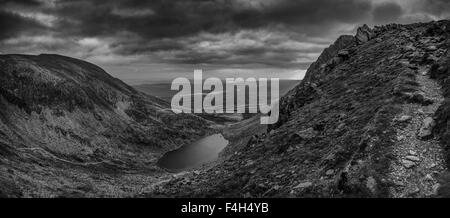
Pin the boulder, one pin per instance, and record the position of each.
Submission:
(404, 118)
(307, 134)
(371, 184)
(364, 34)
(408, 164)
(426, 131)
(412, 158)
(417, 98)
(329, 172)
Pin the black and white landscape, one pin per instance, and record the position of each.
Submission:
(85, 98)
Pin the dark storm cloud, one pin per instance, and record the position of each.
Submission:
(387, 12)
(186, 17)
(162, 25)
(168, 18)
(20, 2)
(437, 7)
(264, 48)
(12, 25)
(142, 46)
(311, 12)
(223, 32)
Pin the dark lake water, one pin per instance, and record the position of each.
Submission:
(193, 155)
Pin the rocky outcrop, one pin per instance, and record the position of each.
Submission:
(364, 34)
(341, 43)
(303, 93)
(427, 128)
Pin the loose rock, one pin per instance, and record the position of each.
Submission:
(303, 185)
(364, 34)
(413, 158)
(329, 172)
(404, 118)
(371, 184)
(307, 134)
(408, 164)
(426, 130)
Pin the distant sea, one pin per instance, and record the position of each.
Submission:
(162, 90)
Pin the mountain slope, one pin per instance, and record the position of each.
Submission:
(344, 131)
(67, 128)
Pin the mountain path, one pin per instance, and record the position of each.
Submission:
(46, 153)
(419, 158)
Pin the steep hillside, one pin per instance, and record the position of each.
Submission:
(360, 124)
(67, 128)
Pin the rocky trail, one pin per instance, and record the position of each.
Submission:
(419, 158)
(418, 155)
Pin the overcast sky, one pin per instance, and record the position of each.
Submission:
(148, 41)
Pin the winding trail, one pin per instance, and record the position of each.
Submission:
(46, 153)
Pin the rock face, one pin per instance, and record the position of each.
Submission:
(67, 128)
(364, 34)
(352, 99)
(302, 94)
(329, 53)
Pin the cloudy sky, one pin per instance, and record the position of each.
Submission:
(148, 41)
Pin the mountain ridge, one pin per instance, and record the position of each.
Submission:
(355, 127)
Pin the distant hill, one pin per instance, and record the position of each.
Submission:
(163, 91)
(67, 128)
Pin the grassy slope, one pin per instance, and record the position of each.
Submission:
(67, 128)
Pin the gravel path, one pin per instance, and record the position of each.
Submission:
(419, 158)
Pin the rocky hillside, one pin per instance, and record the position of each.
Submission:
(67, 128)
(371, 119)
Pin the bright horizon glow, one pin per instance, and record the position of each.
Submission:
(139, 75)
